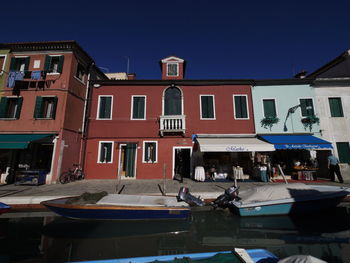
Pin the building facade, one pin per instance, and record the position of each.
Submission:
(42, 108)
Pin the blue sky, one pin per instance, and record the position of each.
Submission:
(222, 39)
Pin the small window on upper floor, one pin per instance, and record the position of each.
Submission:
(269, 108)
(10, 108)
(45, 107)
(80, 73)
(336, 107)
(207, 107)
(172, 69)
(307, 107)
(240, 107)
(138, 110)
(19, 64)
(54, 64)
(2, 63)
(104, 110)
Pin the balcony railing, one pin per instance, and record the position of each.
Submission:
(172, 124)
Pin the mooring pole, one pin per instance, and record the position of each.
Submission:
(164, 178)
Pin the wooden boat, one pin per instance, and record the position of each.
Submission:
(4, 208)
(237, 255)
(286, 199)
(122, 207)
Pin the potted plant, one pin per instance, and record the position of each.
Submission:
(310, 120)
(269, 121)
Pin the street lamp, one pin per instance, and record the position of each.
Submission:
(290, 111)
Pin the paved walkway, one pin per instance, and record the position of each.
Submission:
(29, 195)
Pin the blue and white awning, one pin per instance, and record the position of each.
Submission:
(297, 142)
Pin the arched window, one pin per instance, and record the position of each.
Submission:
(172, 101)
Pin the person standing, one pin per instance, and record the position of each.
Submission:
(333, 166)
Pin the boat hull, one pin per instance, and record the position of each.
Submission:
(110, 212)
(4, 208)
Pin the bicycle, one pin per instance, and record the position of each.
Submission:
(72, 175)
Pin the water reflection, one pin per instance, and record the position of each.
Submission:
(55, 239)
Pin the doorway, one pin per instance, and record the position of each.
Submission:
(182, 162)
(127, 160)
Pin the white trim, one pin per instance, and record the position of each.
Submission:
(200, 106)
(98, 107)
(173, 161)
(99, 151)
(234, 106)
(119, 162)
(3, 66)
(177, 69)
(143, 151)
(262, 105)
(132, 107)
(21, 56)
(313, 105)
(171, 59)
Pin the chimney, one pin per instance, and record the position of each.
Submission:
(300, 75)
(172, 68)
(131, 76)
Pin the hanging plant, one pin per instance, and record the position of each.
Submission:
(269, 121)
(310, 120)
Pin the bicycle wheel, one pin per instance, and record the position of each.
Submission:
(80, 175)
(65, 178)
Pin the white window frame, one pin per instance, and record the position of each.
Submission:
(144, 149)
(44, 118)
(99, 151)
(3, 66)
(132, 108)
(313, 105)
(234, 106)
(98, 108)
(200, 103)
(58, 73)
(177, 69)
(22, 64)
(262, 106)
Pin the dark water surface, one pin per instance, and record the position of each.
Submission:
(44, 237)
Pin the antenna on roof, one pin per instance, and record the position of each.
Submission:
(127, 64)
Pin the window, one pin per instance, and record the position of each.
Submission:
(104, 111)
(150, 152)
(240, 107)
(105, 152)
(138, 107)
(54, 64)
(45, 107)
(207, 107)
(269, 108)
(343, 152)
(19, 64)
(307, 107)
(80, 73)
(10, 108)
(2, 63)
(172, 69)
(172, 101)
(336, 107)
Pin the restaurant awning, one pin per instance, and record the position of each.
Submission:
(307, 142)
(19, 141)
(234, 145)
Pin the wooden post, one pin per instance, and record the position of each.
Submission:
(282, 173)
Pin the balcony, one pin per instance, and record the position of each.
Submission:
(172, 124)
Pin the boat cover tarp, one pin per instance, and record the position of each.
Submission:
(218, 258)
(301, 259)
(86, 198)
(275, 192)
(141, 200)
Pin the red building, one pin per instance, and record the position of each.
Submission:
(146, 129)
(42, 108)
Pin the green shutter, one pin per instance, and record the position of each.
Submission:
(3, 107)
(343, 152)
(241, 107)
(303, 107)
(47, 63)
(154, 151)
(109, 152)
(19, 107)
(207, 107)
(53, 115)
(13, 64)
(336, 107)
(26, 63)
(60, 64)
(107, 107)
(307, 107)
(130, 160)
(138, 108)
(38, 107)
(269, 108)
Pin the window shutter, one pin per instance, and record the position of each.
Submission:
(109, 152)
(207, 107)
(38, 107)
(13, 64)
(26, 63)
(53, 115)
(269, 108)
(102, 153)
(47, 63)
(3, 107)
(241, 107)
(60, 64)
(107, 107)
(138, 108)
(154, 151)
(19, 107)
(303, 107)
(343, 152)
(336, 107)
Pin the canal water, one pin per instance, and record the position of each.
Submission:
(44, 237)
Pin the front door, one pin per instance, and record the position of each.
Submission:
(182, 163)
(127, 160)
